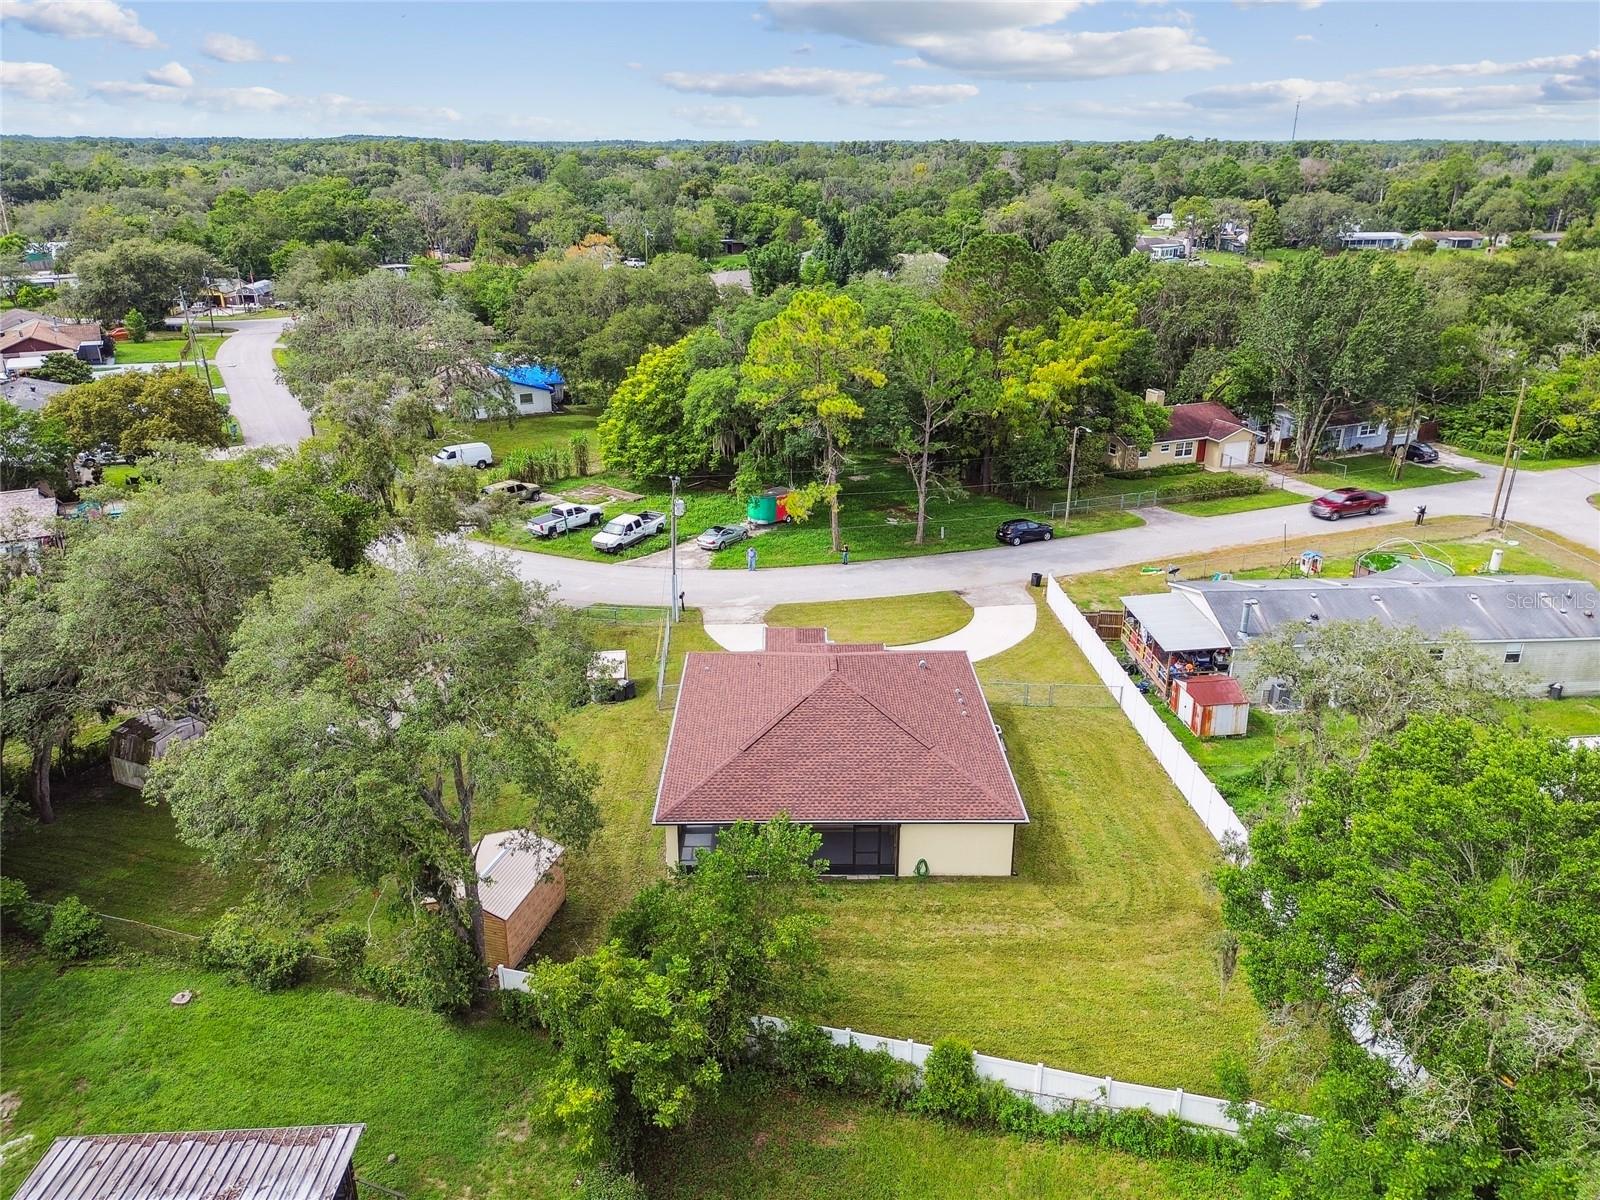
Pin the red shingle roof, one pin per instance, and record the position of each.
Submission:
(1195, 421)
(865, 735)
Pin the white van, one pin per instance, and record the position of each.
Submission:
(467, 454)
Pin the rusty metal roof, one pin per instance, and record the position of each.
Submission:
(306, 1162)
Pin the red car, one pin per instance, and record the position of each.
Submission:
(1348, 502)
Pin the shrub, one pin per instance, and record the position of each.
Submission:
(434, 969)
(265, 959)
(19, 913)
(1211, 485)
(806, 1057)
(347, 946)
(75, 932)
(579, 447)
(605, 1182)
(950, 1083)
(519, 1009)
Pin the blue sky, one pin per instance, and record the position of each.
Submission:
(802, 69)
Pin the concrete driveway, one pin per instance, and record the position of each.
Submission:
(1553, 500)
(267, 414)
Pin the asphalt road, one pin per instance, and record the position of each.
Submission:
(1553, 500)
(267, 414)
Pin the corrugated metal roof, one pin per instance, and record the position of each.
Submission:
(306, 1162)
(510, 865)
(1486, 608)
(1176, 622)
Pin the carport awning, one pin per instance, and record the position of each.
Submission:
(1176, 622)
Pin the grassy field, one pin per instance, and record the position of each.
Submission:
(1098, 956)
(164, 347)
(99, 1049)
(1374, 471)
(1218, 506)
(1571, 716)
(702, 508)
(526, 433)
(906, 620)
(1530, 464)
(765, 1145)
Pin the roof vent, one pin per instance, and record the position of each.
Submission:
(922, 664)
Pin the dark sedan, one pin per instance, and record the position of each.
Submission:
(1021, 529)
(1348, 502)
(1421, 452)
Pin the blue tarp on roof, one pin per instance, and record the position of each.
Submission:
(533, 375)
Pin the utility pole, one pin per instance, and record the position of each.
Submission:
(205, 367)
(1511, 440)
(1072, 468)
(1294, 129)
(1516, 465)
(675, 509)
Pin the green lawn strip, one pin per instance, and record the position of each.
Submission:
(900, 622)
(1571, 716)
(99, 1049)
(1237, 765)
(1098, 957)
(1373, 471)
(164, 347)
(702, 508)
(525, 433)
(1527, 462)
(759, 1144)
(1271, 498)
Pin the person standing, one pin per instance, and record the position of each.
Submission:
(845, 554)
(750, 558)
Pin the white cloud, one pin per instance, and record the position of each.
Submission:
(1010, 39)
(775, 81)
(232, 99)
(174, 74)
(79, 19)
(913, 63)
(34, 81)
(230, 48)
(1588, 64)
(1345, 98)
(328, 108)
(1304, 37)
(716, 116)
(922, 95)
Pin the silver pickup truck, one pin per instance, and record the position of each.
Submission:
(628, 529)
(563, 518)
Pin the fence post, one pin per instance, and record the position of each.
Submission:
(1038, 1079)
(1177, 1102)
(1110, 1083)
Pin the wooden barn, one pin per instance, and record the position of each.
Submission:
(139, 741)
(520, 885)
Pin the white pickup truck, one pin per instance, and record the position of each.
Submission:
(563, 518)
(627, 529)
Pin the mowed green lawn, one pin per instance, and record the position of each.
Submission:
(1219, 505)
(526, 433)
(897, 622)
(702, 508)
(1375, 471)
(1528, 463)
(165, 347)
(100, 1049)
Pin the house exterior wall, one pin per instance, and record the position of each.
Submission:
(669, 853)
(1165, 454)
(1237, 448)
(494, 942)
(958, 849)
(1574, 664)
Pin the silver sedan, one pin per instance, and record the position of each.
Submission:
(719, 536)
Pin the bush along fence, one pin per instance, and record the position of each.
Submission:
(1215, 813)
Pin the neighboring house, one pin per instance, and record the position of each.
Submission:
(1234, 239)
(1205, 433)
(1537, 238)
(893, 756)
(733, 245)
(30, 394)
(401, 269)
(1544, 630)
(239, 293)
(520, 886)
(1348, 431)
(1163, 222)
(23, 346)
(1452, 239)
(535, 388)
(139, 741)
(738, 278)
(306, 1162)
(12, 317)
(27, 522)
(1358, 239)
(1162, 249)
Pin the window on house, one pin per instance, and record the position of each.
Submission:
(1165, 447)
(1437, 652)
(1368, 429)
(1514, 652)
(1184, 450)
(693, 839)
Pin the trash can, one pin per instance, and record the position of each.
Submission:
(1555, 690)
(1036, 580)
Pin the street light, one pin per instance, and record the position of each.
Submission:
(1072, 467)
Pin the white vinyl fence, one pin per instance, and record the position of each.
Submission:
(1215, 813)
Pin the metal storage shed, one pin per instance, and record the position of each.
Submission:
(139, 741)
(520, 886)
(307, 1162)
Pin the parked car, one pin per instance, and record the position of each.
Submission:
(563, 518)
(1348, 502)
(719, 536)
(1024, 529)
(628, 529)
(1421, 452)
(464, 454)
(522, 493)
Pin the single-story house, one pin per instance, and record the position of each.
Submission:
(892, 756)
(1347, 431)
(535, 387)
(1235, 239)
(1171, 640)
(739, 278)
(1206, 433)
(10, 318)
(734, 245)
(1163, 221)
(49, 335)
(1539, 238)
(520, 886)
(27, 522)
(1162, 249)
(239, 293)
(1358, 239)
(28, 393)
(305, 1162)
(139, 741)
(1452, 239)
(1544, 630)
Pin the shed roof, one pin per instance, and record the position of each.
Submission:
(305, 1162)
(1208, 690)
(25, 515)
(510, 865)
(30, 394)
(1504, 608)
(1177, 622)
(535, 375)
(871, 735)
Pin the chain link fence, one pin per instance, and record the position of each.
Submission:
(1049, 695)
